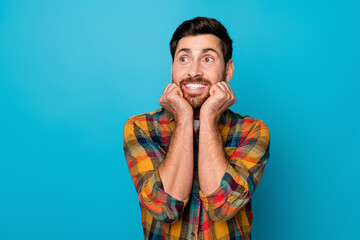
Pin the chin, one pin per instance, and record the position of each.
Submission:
(196, 102)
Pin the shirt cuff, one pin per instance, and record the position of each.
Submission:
(232, 189)
(161, 204)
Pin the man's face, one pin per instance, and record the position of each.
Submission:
(198, 65)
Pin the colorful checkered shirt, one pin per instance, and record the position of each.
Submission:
(224, 214)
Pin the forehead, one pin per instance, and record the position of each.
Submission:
(199, 42)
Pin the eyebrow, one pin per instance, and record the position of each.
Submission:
(205, 50)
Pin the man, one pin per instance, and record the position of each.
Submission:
(194, 162)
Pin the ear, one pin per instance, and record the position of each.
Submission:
(229, 71)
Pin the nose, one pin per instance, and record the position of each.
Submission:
(195, 70)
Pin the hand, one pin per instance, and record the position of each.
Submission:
(221, 98)
(173, 101)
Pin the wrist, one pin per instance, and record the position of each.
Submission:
(184, 120)
(208, 118)
(184, 115)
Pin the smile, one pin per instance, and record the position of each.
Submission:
(195, 88)
(195, 85)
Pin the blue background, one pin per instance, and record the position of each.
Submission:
(72, 72)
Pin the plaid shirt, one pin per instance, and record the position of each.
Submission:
(224, 214)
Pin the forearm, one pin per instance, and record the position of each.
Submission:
(143, 158)
(176, 171)
(212, 162)
(244, 169)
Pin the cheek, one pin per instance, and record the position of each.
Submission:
(216, 75)
(179, 74)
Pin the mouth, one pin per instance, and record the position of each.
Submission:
(195, 87)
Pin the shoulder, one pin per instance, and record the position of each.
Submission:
(148, 119)
(148, 116)
(233, 118)
(244, 124)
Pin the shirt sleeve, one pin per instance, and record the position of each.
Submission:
(143, 158)
(242, 176)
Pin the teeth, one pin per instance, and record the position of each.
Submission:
(194, 85)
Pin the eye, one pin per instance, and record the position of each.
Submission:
(208, 59)
(183, 59)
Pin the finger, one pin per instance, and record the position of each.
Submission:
(224, 91)
(174, 89)
(226, 86)
(220, 84)
(171, 87)
(178, 90)
(165, 93)
(167, 88)
(215, 88)
(230, 91)
(229, 88)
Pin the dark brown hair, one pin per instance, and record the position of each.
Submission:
(203, 25)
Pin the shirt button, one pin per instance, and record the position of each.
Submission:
(193, 234)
